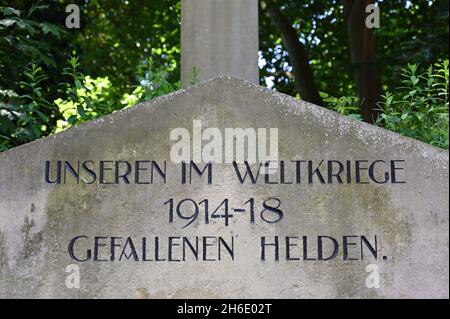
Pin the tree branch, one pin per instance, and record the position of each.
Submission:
(362, 52)
(304, 78)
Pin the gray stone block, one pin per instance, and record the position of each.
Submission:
(400, 229)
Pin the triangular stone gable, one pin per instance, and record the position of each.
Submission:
(409, 219)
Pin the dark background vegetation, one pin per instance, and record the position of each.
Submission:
(52, 77)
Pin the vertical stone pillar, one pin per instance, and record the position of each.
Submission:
(219, 37)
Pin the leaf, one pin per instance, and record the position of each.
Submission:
(8, 93)
(51, 28)
(356, 117)
(414, 80)
(7, 124)
(7, 22)
(7, 11)
(87, 101)
(78, 84)
(80, 110)
(36, 131)
(420, 116)
(43, 116)
(72, 119)
(35, 7)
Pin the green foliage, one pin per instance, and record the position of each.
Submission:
(409, 31)
(345, 105)
(87, 98)
(23, 28)
(20, 37)
(117, 37)
(90, 98)
(83, 98)
(154, 80)
(7, 118)
(321, 27)
(419, 108)
(22, 117)
(29, 53)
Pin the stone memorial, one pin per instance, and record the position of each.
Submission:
(224, 190)
(103, 203)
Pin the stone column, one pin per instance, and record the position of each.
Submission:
(219, 37)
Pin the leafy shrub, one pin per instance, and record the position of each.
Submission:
(154, 81)
(22, 118)
(83, 98)
(31, 36)
(21, 39)
(419, 108)
(87, 98)
(345, 105)
(26, 91)
(90, 98)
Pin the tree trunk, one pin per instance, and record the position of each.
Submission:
(362, 52)
(304, 78)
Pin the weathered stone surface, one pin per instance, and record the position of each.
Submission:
(38, 220)
(219, 37)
